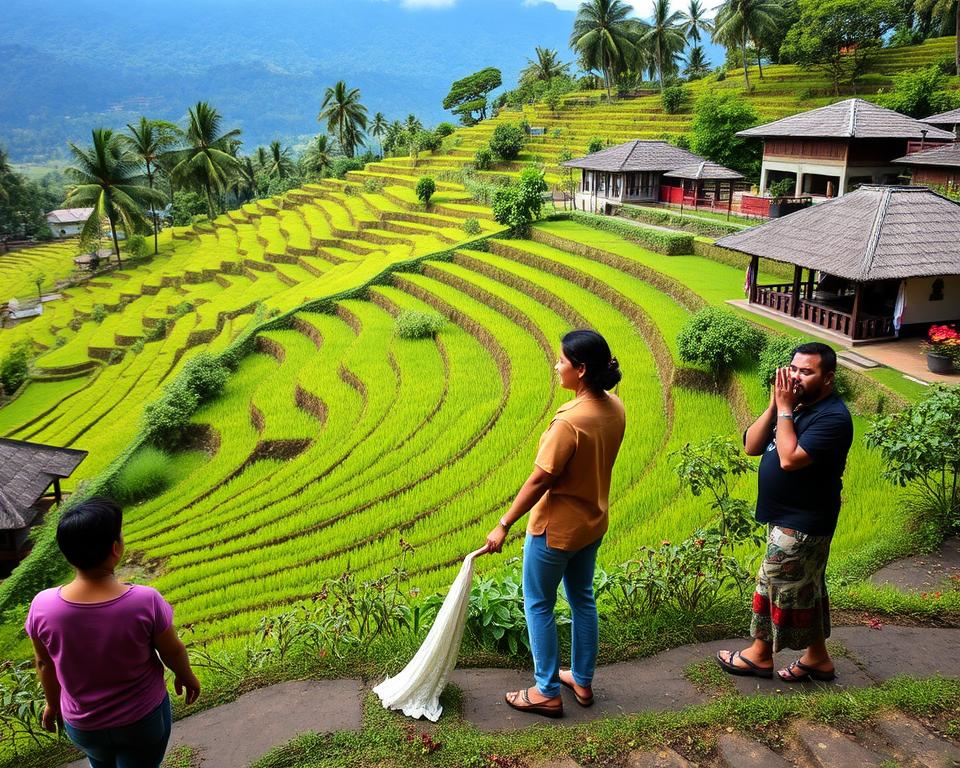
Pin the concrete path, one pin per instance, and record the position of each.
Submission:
(939, 570)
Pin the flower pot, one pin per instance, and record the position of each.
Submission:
(939, 363)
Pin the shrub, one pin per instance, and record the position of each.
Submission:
(137, 246)
(507, 141)
(425, 189)
(116, 355)
(517, 205)
(99, 313)
(594, 145)
(717, 118)
(147, 473)
(483, 159)
(920, 92)
(14, 369)
(418, 325)
(165, 417)
(718, 339)
(669, 243)
(782, 188)
(372, 186)
(206, 376)
(444, 129)
(427, 141)
(663, 217)
(341, 165)
(472, 227)
(673, 99)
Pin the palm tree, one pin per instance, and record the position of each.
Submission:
(695, 21)
(6, 173)
(378, 129)
(395, 136)
(208, 162)
(317, 157)
(546, 67)
(696, 65)
(664, 37)
(149, 140)
(344, 113)
(279, 162)
(602, 36)
(244, 185)
(741, 20)
(262, 158)
(105, 178)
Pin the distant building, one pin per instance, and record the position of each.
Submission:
(648, 172)
(937, 167)
(67, 222)
(948, 121)
(829, 151)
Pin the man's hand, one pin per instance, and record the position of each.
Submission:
(192, 686)
(783, 393)
(51, 719)
(495, 539)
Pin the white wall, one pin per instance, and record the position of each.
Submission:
(69, 230)
(920, 309)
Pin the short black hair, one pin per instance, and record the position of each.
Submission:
(828, 358)
(590, 349)
(86, 533)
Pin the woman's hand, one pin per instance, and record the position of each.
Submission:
(495, 539)
(51, 719)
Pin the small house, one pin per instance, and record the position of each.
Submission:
(948, 121)
(937, 167)
(67, 222)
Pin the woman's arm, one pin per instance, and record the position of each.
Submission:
(539, 482)
(173, 653)
(51, 687)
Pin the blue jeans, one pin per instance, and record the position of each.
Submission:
(543, 569)
(139, 745)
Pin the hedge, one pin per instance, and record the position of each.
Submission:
(680, 221)
(667, 243)
(741, 260)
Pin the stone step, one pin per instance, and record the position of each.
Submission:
(916, 742)
(831, 749)
(661, 758)
(738, 750)
(857, 361)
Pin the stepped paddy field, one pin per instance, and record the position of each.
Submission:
(338, 445)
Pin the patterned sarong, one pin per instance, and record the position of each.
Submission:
(790, 606)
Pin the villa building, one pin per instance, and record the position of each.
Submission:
(879, 261)
(948, 121)
(650, 172)
(829, 151)
(937, 167)
(67, 222)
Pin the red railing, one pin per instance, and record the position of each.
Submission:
(751, 205)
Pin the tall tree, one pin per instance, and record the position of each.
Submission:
(695, 21)
(105, 178)
(944, 9)
(739, 21)
(696, 65)
(150, 140)
(317, 157)
(602, 36)
(6, 174)
(664, 37)
(469, 94)
(208, 163)
(544, 68)
(378, 129)
(345, 116)
(279, 161)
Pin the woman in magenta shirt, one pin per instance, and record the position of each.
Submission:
(101, 646)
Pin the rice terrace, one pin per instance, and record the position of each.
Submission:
(315, 374)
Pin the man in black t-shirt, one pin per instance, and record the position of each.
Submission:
(803, 438)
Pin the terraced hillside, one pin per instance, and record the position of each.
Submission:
(18, 269)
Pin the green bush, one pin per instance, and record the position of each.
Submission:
(666, 218)
(594, 145)
(427, 141)
(920, 92)
(426, 186)
(14, 369)
(517, 205)
(136, 246)
(206, 376)
(507, 141)
(145, 474)
(99, 313)
(472, 227)
(782, 188)
(444, 129)
(341, 165)
(418, 325)
(483, 159)
(165, 417)
(719, 340)
(717, 118)
(674, 99)
(669, 243)
(373, 186)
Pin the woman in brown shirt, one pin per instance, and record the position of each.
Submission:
(567, 495)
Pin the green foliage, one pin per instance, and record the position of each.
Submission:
(664, 217)
(206, 376)
(782, 188)
(418, 325)
(483, 159)
(426, 186)
(718, 339)
(517, 205)
(444, 129)
(136, 246)
(674, 99)
(341, 165)
(469, 94)
(594, 145)
(99, 313)
(186, 205)
(471, 226)
(669, 243)
(165, 417)
(21, 705)
(14, 368)
(919, 93)
(372, 186)
(507, 141)
(146, 473)
(427, 141)
(717, 118)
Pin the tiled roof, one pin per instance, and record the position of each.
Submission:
(852, 118)
(26, 471)
(636, 155)
(943, 118)
(945, 155)
(69, 215)
(703, 170)
(874, 233)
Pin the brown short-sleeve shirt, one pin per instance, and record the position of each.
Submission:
(578, 448)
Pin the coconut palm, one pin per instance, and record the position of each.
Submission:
(544, 68)
(739, 21)
(696, 65)
(664, 38)
(602, 36)
(695, 21)
(208, 162)
(105, 178)
(244, 186)
(261, 158)
(150, 140)
(378, 129)
(317, 157)
(395, 137)
(346, 117)
(279, 161)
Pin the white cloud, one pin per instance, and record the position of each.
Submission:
(417, 4)
(640, 7)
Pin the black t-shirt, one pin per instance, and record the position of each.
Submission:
(808, 499)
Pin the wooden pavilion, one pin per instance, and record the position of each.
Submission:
(878, 261)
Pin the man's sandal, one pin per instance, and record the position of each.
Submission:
(751, 669)
(583, 701)
(521, 702)
(806, 673)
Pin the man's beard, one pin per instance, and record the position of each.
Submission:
(805, 395)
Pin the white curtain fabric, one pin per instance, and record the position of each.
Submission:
(900, 308)
(415, 691)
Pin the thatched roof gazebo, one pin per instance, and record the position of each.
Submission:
(876, 259)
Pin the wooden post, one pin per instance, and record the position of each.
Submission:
(855, 314)
(56, 489)
(729, 200)
(809, 294)
(795, 302)
(755, 270)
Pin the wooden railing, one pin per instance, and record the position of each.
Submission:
(779, 297)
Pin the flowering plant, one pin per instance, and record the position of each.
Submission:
(943, 340)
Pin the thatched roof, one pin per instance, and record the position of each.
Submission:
(636, 155)
(26, 471)
(852, 118)
(944, 155)
(704, 170)
(944, 118)
(874, 233)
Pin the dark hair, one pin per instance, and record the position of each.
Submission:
(828, 358)
(86, 533)
(590, 349)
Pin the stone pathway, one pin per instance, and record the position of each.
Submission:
(235, 734)
(939, 570)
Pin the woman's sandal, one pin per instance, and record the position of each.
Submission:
(751, 669)
(521, 702)
(808, 673)
(583, 701)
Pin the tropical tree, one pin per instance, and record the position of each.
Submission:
(544, 68)
(944, 10)
(106, 178)
(345, 116)
(150, 140)
(317, 157)
(279, 161)
(378, 129)
(261, 158)
(208, 163)
(695, 65)
(244, 186)
(695, 21)
(739, 21)
(603, 37)
(6, 174)
(395, 137)
(664, 38)
(469, 94)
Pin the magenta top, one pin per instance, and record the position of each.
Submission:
(103, 653)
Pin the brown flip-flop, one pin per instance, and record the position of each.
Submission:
(807, 673)
(540, 708)
(583, 701)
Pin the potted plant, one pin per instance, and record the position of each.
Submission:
(942, 348)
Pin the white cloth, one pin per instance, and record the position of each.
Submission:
(415, 691)
(900, 308)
